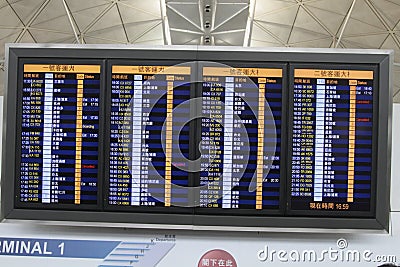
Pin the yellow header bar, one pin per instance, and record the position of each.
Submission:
(250, 72)
(334, 74)
(58, 68)
(174, 70)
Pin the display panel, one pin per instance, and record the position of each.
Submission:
(241, 138)
(145, 166)
(238, 167)
(332, 140)
(59, 136)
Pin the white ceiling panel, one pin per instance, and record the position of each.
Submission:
(9, 18)
(80, 6)
(112, 34)
(372, 41)
(138, 30)
(232, 38)
(299, 23)
(264, 9)
(85, 17)
(224, 12)
(285, 16)
(185, 38)
(150, 7)
(315, 43)
(5, 34)
(363, 13)
(179, 21)
(57, 24)
(53, 9)
(332, 21)
(279, 33)
(47, 36)
(191, 11)
(306, 23)
(235, 22)
(109, 20)
(262, 43)
(154, 36)
(131, 14)
(390, 11)
(4, 40)
(25, 8)
(339, 7)
(389, 43)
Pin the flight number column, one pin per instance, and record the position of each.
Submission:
(303, 133)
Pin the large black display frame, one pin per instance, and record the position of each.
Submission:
(340, 213)
(381, 59)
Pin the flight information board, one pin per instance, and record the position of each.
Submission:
(241, 138)
(332, 140)
(59, 134)
(145, 167)
(198, 138)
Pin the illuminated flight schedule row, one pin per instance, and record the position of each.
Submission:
(246, 132)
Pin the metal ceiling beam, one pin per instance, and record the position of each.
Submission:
(213, 14)
(165, 23)
(49, 30)
(346, 21)
(10, 28)
(292, 27)
(122, 23)
(311, 14)
(71, 21)
(201, 15)
(383, 21)
(185, 31)
(229, 31)
(249, 25)
(31, 20)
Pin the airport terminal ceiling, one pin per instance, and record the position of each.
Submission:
(255, 23)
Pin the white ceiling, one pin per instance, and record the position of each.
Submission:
(266, 23)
